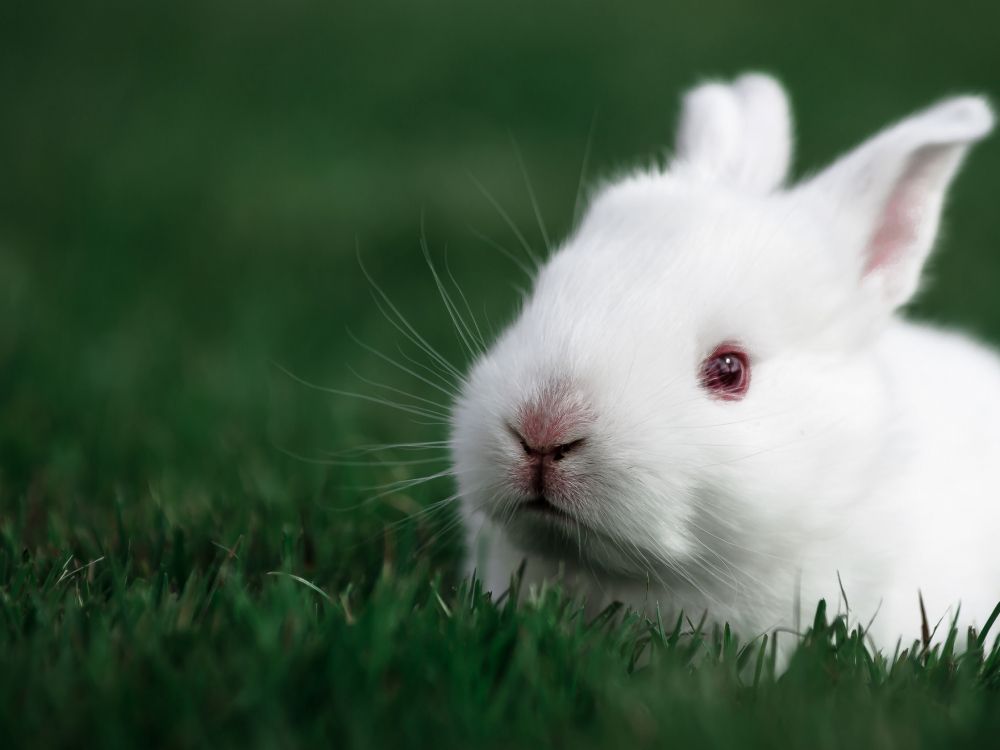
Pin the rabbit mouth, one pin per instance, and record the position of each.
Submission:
(542, 528)
(541, 506)
(541, 519)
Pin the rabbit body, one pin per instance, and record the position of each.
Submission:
(710, 400)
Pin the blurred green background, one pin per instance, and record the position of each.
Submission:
(182, 187)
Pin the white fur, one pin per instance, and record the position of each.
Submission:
(740, 133)
(867, 445)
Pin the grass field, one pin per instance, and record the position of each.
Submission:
(184, 189)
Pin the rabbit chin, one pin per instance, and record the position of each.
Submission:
(587, 562)
(558, 538)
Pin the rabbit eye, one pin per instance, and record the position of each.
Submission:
(725, 373)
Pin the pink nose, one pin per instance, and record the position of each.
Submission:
(542, 474)
(548, 428)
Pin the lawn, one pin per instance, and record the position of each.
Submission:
(200, 546)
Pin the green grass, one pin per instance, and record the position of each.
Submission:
(239, 655)
(182, 187)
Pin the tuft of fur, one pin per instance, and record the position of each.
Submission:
(867, 446)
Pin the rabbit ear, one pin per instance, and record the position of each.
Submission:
(889, 192)
(739, 133)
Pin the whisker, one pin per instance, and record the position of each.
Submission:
(578, 202)
(503, 251)
(531, 194)
(734, 545)
(692, 581)
(439, 505)
(651, 568)
(464, 333)
(457, 523)
(413, 335)
(724, 577)
(406, 408)
(375, 448)
(435, 507)
(446, 367)
(423, 513)
(398, 391)
(507, 220)
(431, 372)
(449, 529)
(394, 363)
(391, 490)
(465, 301)
(357, 463)
(405, 484)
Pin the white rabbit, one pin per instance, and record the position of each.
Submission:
(710, 401)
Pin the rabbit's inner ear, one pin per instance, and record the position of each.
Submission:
(737, 134)
(891, 190)
(912, 209)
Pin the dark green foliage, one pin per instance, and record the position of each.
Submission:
(182, 190)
